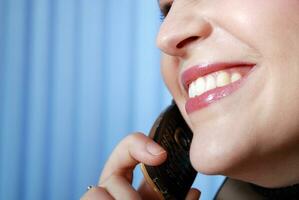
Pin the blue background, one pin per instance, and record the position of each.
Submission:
(76, 76)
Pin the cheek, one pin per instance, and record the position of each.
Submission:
(223, 144)
(282, 110)
(272, 28)
(170, 73)
(264, 25)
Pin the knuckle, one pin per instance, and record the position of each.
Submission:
(113, 184)
(134, 138)
(111, 180)
(102, 190)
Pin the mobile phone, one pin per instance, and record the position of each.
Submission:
(172, 179)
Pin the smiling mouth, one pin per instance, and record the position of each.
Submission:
(210, 83)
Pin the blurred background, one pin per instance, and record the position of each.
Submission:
(76, 76)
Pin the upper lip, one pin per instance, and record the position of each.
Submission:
(194, 72)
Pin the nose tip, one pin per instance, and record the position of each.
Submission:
(176, 36)
(167, 45)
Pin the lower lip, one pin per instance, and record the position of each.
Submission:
(214, 95)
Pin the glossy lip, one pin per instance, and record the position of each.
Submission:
(213, 95)
(197, 71)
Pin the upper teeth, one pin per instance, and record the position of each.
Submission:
(211, 81)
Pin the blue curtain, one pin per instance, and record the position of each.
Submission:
(76, 76)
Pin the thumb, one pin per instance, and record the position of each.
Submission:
(193, 194)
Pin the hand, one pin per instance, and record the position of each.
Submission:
(116, 179)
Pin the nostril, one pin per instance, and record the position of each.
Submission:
(186, 41)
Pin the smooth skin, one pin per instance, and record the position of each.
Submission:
(250, 135)
(116, 179)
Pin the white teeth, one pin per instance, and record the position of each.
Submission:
(200, 86)
(192, 90)
(211, 81)
(223, 79)
(235, 76)
(197, 87)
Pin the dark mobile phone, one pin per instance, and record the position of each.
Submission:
(172, 179)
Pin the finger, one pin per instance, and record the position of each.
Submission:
(119, 188)
(147, 192)
(132, 150)
(193, 194)
(96, 193)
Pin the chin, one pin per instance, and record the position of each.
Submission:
(213, 156)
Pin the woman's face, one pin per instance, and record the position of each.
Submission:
(232, 67)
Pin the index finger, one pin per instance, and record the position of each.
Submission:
(131, 151)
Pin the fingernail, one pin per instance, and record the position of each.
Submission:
(154, 149)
